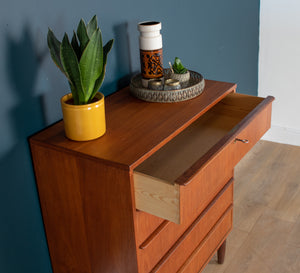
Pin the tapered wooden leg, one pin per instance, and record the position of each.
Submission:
(221, 253)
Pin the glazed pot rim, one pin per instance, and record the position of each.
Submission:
(149, 26)
(149, 23)
(187, 72)
(68, 96)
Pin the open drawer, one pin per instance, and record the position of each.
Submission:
(192, 168)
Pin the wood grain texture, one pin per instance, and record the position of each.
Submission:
(145, 225)
(183, 252)
(157, 197)
(258, 108)
(265, 237)
(207, 136)
(155, 234)
(195, 197)
(160, 242)
(85, 226)
(214, 239)
(156, 179)
(87, 189)
(135, 128)
(61, 203)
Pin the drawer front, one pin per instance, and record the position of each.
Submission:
(251, 134)
(206, 249)
(192, 253)
(205, 185)
(186, 174)
(159, 242)
(194, 198)
(207, 181)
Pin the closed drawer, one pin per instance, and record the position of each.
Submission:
(165, 236)
(187, 173)
(194, 251)
(205, 250)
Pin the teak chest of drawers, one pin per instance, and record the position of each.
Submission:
(155, 193)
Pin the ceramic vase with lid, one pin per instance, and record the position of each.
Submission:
(151, 53)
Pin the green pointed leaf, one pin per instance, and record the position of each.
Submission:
(106, 49)
(98, 83)
(70, 64)
(92, 26)
(91, 63)
(54, 47)
(82, 35)
(74, 94)
(178, 67)
(75, 45)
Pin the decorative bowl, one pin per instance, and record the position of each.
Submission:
(193, 88)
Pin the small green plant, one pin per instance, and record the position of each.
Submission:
(83, 60)
(178, 68)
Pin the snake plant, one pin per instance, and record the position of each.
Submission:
(83, 60)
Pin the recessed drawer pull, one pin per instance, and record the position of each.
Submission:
(242, 140)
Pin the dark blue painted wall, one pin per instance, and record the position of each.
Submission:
(214, 37)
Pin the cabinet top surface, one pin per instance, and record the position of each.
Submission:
(135, 128)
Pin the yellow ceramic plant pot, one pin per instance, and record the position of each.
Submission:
(84, 122)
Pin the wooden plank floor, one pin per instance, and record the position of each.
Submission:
(266, 233)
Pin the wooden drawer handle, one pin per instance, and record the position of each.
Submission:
(242, 140)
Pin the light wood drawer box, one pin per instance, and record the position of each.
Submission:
(166, 235)
(181, 178)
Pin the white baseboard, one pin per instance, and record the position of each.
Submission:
(283, 135)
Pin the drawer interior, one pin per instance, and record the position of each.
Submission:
(155, 180)
(195, 141)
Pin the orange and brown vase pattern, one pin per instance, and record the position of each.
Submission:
(151, 63)
(151, 51)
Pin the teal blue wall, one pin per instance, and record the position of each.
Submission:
(214, 37)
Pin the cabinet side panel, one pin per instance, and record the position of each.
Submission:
(87, 212)
(108, 211)
(60, 199)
